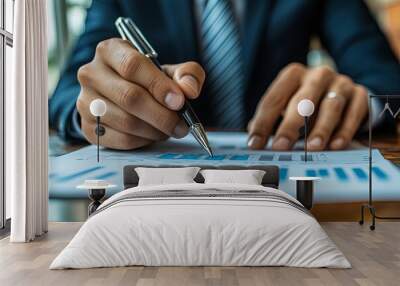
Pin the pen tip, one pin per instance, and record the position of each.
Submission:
(210, 153)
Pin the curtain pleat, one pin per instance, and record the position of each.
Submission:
(27, 123)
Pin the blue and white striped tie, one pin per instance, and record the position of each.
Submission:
(223, 63)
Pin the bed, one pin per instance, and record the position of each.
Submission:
(198, 224)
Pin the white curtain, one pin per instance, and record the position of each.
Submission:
(27, 123)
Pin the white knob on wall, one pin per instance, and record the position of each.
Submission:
(98, 107)
(305, 108)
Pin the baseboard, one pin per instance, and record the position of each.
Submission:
(352, 211)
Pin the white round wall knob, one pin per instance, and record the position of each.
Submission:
(305, 108)
(98, 107)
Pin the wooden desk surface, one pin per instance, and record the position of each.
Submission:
(389, 147)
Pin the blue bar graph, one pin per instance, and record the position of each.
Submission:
(283, 173)
(360, 173)
(323, 173)
(240, 157)
(266, 158)
(380, 173)
(285, 157)
(341, 174)
(311, 173)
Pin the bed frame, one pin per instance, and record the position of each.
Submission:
(270, 179)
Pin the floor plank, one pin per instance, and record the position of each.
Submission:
(375, 257)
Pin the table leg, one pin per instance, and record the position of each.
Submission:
(95, 195)
(305, 193)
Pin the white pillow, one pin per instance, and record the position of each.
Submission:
(166, 176)
(247, 177)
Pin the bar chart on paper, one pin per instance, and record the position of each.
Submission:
(344, 173)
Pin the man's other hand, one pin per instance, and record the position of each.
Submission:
(141, 100)
(341, 105)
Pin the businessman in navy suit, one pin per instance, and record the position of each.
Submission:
(252, 55)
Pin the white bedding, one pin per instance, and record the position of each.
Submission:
(224, 225)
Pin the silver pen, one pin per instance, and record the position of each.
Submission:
(129, 31)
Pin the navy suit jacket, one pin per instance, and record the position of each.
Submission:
(276, 33)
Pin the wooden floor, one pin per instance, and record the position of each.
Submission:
(375, 257)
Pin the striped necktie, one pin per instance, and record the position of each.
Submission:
(223, 63)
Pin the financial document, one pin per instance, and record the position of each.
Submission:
(344, 173)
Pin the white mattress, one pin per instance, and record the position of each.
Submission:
(197, 225)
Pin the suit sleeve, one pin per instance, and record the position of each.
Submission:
(360, 50)
(99, 26)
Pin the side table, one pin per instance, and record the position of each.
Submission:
(96, 192)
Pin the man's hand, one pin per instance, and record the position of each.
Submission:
(342, 106)
(141, 100)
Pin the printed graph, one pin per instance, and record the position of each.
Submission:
(337, 173)
(344, 173)
(265, 158)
